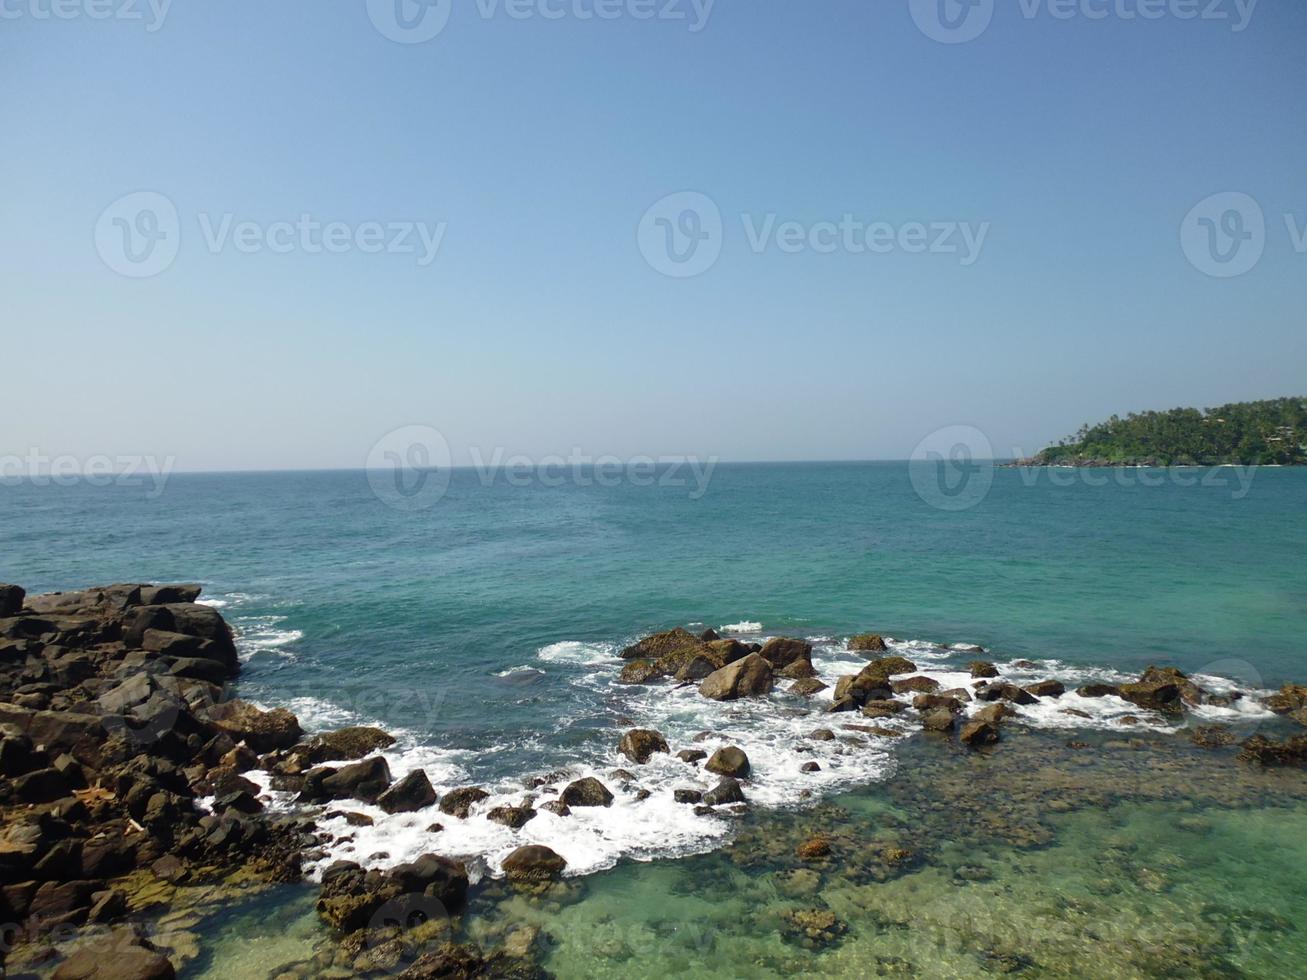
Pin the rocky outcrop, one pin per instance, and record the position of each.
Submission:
(640, 744)
(982, 668)
(1046, 689)
(807, 687)
(351, 897)
(726, 792)
(366, 780)
(979, 732)
(1098, 691)
(750, 677)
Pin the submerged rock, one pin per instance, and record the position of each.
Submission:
(1262, 750)
(977, 733)
(807, 687)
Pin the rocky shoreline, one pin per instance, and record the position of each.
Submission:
(130, 775)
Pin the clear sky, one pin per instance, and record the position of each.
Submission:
(536, 144)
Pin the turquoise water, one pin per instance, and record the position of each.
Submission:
(483, 631)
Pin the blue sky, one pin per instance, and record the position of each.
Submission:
(537, 145)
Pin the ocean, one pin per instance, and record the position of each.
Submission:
(484, 631)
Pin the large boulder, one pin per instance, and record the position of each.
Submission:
(781, 651)
(262, 731)
(586, 792)
(982, 668)
(640, 744)
(978, 732)
(1006, 692)
(342, 745)
(365, 780)
(729, 761)
(410, 794)
(726, 791)
(535, 862)
(750, 677)
(640, 672)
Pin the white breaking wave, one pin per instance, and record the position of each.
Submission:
(773, 731)
(520, 669)
(747, 626)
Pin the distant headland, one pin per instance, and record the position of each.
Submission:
(1266, 433)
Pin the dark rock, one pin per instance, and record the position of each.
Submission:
(1006, 692)
(1287, 699)
(639, 672)
(814, 848)
(640, 744)
(1157, 695)
(557, 807)
(781, 651)
(687, 796)
(1047, 689)
(410, 794)
(515, 817)
(171, 869)
(661, 645)
(822, 735)
(533, 863)
(364, 780)
(801, 669)
(1099, 691)
(11, 600)
(931, 702)
(42, 786)
(709, 635)
(810, 767)
(691, 756)
(883, 708)
(727, 791)
(995, 713)
(749, 677)
(459, 802)
(116, 957)
(867, 643)
(915, 685)
(586, 792)
(983, 668)
(729, 761)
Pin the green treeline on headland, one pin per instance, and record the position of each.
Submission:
(1245, 433)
